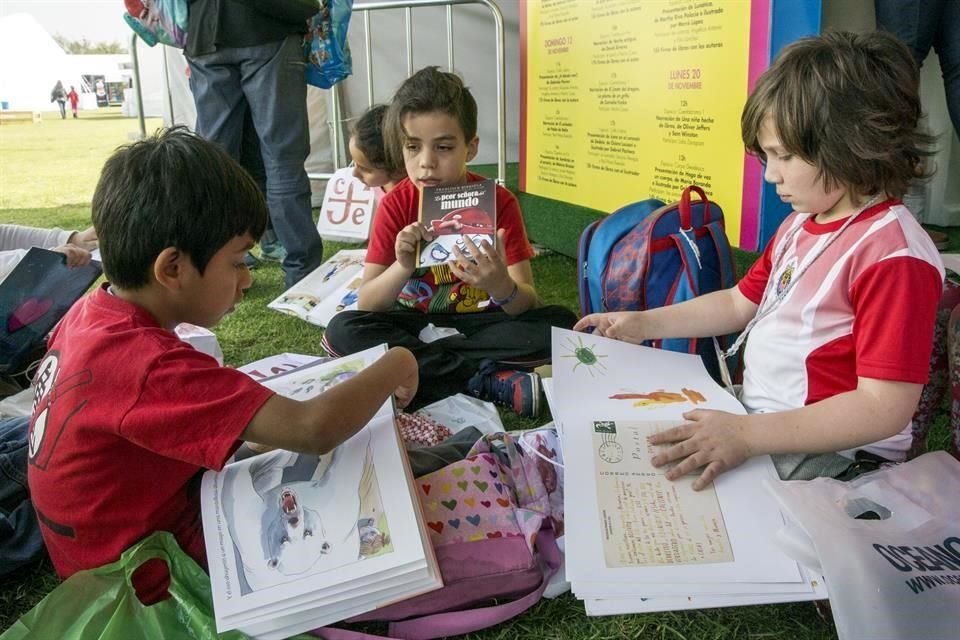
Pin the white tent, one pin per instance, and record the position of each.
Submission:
(31, 62)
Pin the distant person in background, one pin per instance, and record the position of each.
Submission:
(247, 56)
(74, 100)
(59, 95)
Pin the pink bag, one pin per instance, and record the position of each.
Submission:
(489, 515)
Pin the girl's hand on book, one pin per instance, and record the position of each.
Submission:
(713, 440)
(407, 245)
(627, 326)
(483, 266)
(76, 257)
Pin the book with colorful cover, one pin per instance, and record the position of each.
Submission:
(297, 541)
(33, 298)
(450, 213)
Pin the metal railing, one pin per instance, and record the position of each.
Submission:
(364, 8)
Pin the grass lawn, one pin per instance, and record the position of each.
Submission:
(47, 175)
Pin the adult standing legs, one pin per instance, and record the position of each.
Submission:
(274, 86)
(268, 80)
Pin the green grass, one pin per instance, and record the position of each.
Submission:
(47, 175)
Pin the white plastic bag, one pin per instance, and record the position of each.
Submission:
(460, 411)
(893, 577)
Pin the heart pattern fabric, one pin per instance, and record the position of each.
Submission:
(473, 500)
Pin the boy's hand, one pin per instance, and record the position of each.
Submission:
(627, 326)
(712, 439)
(407, 389)
(76, 257)
(485, 267)
(407, 244)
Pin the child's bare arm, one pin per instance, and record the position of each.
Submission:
(714, 314)
(719, 441)
(381, 285)
(320, 424)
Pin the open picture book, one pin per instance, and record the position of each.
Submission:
(326, 291)
(297, 541)
(450, 213)
(636, 541)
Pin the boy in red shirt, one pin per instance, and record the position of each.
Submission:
(126, 415)
(431, 127)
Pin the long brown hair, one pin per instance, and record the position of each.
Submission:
(848, 104)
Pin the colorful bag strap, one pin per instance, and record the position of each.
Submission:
(452, 623)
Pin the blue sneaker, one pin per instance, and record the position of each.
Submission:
(270, 247)
(251, 261)
(517, 390)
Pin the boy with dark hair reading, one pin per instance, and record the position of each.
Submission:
(840, 307)
(486, 293)
(126, 415)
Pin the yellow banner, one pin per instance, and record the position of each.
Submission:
(626, 100)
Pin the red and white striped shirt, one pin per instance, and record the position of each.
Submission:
(865, 307)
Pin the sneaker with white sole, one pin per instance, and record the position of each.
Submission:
(518, 390)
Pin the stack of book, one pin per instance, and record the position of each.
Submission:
(636, 541)
(297, 541)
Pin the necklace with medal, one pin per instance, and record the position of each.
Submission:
(785, 282)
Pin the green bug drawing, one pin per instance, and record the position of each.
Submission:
(585, 356)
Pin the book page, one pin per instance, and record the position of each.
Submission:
(450, 214)
(645, 518)
(326, 290)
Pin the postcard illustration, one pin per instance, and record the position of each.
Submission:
(646, 519)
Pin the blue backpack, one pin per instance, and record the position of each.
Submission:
(650, 254)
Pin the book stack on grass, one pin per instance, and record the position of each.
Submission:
(298, 541)
(635, 541)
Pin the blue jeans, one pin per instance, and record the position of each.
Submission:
(923, 24)
(268, 81)
(20, 540)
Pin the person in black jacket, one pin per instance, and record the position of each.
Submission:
(246, 56)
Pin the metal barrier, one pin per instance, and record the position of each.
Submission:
(364, 8)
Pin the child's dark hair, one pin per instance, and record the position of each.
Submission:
(173, 189)
(367, 135)
(848, 104)
(428, 90)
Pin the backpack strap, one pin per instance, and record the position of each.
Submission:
(452, 623)
(687, 285)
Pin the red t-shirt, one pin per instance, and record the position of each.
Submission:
(126, 417)
(436, 289)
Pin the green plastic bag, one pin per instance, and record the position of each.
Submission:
(101, 604)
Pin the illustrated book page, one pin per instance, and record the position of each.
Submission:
(295, 540)
(326, 291)
(451, 213)
(630, 531)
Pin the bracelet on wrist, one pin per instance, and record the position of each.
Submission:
(510, 298)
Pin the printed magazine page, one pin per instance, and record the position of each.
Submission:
(296, 541)
(450, 213)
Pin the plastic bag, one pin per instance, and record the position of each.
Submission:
(101, 604)
(459, 411)
(325, 44)
(888, 544)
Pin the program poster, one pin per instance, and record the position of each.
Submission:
(626, 100)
